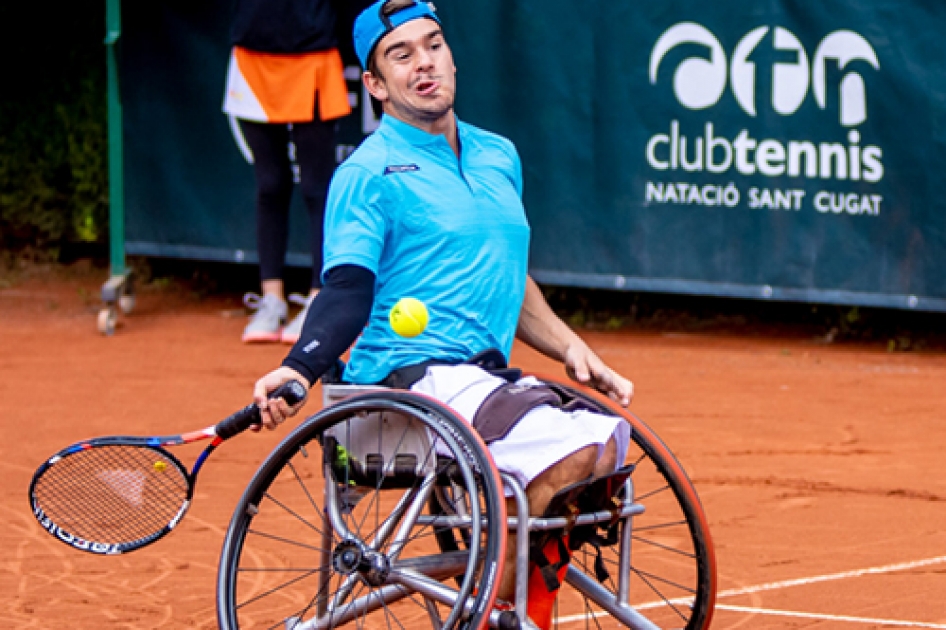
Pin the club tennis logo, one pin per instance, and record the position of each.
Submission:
(769, 75)
(699, 83)
(844, 47)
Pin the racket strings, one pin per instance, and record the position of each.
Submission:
(113, 494)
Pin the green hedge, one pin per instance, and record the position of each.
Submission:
(53, 138)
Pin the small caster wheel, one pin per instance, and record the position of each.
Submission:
(107, 320)
(126, 303)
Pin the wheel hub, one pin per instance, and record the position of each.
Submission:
(346, 557)
(351, 557)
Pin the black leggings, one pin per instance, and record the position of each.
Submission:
(315, 155)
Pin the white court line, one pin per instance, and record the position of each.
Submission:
(771, 586)
(792, 613)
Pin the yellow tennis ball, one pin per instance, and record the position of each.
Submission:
(408, 317)
(160, 466)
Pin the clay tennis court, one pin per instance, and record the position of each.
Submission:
(820, 465)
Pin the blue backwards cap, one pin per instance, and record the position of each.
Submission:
(371, 25)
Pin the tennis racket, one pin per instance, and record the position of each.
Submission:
(112, 495)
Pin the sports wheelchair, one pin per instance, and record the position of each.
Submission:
(384, 510)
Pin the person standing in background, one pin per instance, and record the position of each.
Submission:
(286, 87)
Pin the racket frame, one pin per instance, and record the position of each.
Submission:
(293, 392)
(156, 444)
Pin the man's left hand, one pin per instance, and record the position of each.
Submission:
(584, 366)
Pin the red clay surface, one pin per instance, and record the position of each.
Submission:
(812, 460)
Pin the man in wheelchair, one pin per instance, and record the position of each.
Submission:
(430, 207)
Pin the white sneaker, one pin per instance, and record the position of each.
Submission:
(266, 323)
(292, 332)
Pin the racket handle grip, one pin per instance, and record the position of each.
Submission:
(293, 392)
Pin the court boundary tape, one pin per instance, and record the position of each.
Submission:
(826, 617)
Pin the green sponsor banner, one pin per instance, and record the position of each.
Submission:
(779, 150)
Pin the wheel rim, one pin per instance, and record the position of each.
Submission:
(671, 576)
(284, 560)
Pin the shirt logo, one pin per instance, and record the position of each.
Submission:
(400, 168)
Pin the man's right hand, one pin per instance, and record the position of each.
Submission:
(276, 411)
(586, 367)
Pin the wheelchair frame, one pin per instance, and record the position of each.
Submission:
(372, 577)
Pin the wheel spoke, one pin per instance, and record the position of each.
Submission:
(653, 543)
(304, 488)
(648, 528)
(276, 589)
(296, 515)
(284, 540)
(667, 602)
(642, 498)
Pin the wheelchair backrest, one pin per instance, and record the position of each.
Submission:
(388, 443)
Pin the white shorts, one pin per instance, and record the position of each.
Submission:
(545, 436)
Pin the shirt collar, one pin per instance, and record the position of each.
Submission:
(411, 134)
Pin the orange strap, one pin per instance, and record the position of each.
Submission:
(541, 597)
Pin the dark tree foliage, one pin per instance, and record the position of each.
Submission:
(53, 139)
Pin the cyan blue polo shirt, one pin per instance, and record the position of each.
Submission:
(450, 232)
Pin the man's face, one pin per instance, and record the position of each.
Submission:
(417, 81)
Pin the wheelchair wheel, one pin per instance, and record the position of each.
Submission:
(668, 575)
(338, 526)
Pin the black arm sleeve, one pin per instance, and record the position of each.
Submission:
(336, 317)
